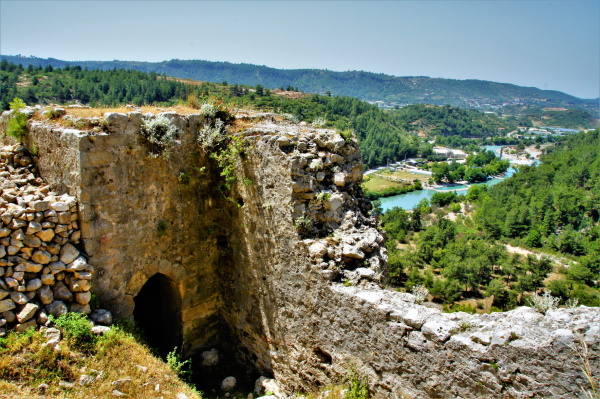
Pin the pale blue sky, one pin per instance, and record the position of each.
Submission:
(547, 44)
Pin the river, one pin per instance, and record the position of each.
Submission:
(410, 200)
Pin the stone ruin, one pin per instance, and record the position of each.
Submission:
(41, 271)
(286, 270)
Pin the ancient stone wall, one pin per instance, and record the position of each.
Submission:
(141, 215)
(291, 264)
(308, 302)
(41, 271)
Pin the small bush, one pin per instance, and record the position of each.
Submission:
(217, 111)
(17, 124)
(358, 387)
(545, 302)
(161, 134)
(323, 196)
(193, 101)
(420, 292)
(303, 224)
(161, 228)
(184, 178)
(211, 135)
(347, 134)
(78, 330)
(319, 122)
(290, 118)
(183, 368)
(208, 110)
(462, 308)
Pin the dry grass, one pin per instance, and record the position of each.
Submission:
(24, 365)
(99, 112)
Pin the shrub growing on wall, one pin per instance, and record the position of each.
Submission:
(161, 136)
(17, 125)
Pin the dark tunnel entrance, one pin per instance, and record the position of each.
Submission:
(157, 312)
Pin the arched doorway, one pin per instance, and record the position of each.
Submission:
(157, 312)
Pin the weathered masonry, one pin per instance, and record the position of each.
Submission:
(264, 267)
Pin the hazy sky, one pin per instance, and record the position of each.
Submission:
(547, 44)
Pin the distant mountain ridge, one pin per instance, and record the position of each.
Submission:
(367, 86)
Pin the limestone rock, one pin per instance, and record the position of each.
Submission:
(85, 380)
(61, 292)
(83, 298)
(6, 304)
(45, 235)
(27, 312)
(34, 284)
(79, 264)
(78, 308)
(52, 333)
(99, 330)
(32, 267)
(438, 329)
(228, 384)
(56, 308)
(210, 358)
(339, 179)
(317, 250)
(42, 257)
(353, 252)
(101, 316)
(22, 327)
(19, 298)
(45, 294)
(68, 254)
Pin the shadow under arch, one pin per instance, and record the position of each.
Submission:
(157, 313)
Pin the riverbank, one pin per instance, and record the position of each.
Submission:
(529, 156)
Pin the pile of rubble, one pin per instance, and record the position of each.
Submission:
(41, 270)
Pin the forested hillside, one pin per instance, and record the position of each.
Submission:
(74, 84)
(458, 244)
(364, 85)
(450, 121)
(558, 117)
(380, 134)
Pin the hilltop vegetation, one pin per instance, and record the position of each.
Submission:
(364, 85)
(552, 209)
(383, 135)
(559, 117)
(379, 134)
(450, 121)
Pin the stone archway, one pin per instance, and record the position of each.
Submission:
(157, 312)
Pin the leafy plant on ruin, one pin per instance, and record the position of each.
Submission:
(161, 136)
(303, 224)
(319, 122)
(347, 135)
(17, 124)
(358, 387)
(223, 147)
(77, 329)
(545, 302)
(161, 228)
(183, 368)
(323, 196)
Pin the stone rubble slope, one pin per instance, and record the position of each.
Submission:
(41, 271)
